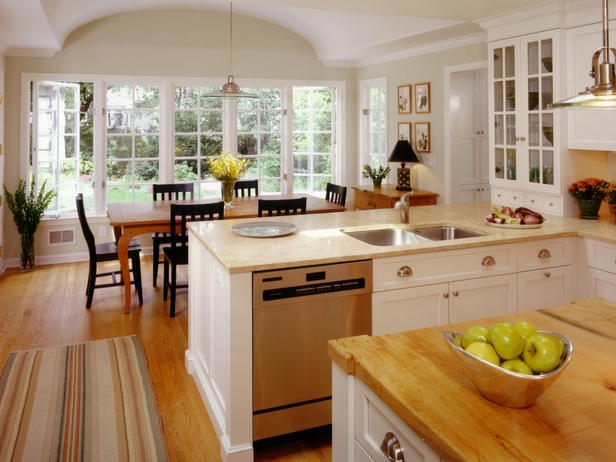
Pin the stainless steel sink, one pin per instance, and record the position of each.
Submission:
(445, 233)
(386, 236)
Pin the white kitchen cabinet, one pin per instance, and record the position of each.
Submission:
(600, 274)
(524, 130)
(587, 129)
(416, 291)
(544, 288)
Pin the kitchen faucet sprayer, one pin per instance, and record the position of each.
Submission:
(403, 206)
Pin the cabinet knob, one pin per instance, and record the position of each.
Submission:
(488, 261)
(547, 274)
(456, 293)
(543, 254)
(446, 295)
(405, 271)
(391, 448)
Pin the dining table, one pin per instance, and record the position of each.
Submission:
(130, 219)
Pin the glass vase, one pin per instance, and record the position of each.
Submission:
(227, 191)
(589, 208)
(27, 252)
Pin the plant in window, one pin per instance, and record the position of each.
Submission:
(28, 209)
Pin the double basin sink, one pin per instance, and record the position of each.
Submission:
(400, 236)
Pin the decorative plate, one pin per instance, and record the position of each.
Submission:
(263, 229)
(506, 226)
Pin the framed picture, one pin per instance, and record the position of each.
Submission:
(422, 98)
(422, 136)
(404, 131)
(404, 99)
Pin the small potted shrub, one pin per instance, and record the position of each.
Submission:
(376, 174)
(27, 209)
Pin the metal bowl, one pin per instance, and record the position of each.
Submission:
(502, 386)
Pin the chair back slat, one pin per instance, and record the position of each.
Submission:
(182, 214)
(245, 188)
(336, 194)
(173, 191)
(282, 206)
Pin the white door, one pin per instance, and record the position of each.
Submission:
(468, 122)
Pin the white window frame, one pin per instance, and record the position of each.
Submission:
(365, 108)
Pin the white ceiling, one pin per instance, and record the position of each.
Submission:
(342, 32)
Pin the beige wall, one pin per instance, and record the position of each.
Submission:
(196, 44)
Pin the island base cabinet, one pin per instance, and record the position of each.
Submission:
(545, 288)
(364, 423)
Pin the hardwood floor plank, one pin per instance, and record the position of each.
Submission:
(46, 307)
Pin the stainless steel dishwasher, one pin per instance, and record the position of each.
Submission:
(295, 312)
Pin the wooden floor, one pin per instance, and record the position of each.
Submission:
(46, 307)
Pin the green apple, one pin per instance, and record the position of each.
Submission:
(505, 340)
(517, 365)
(484, 351)
(474, 334)
(541, 353)
(457, 340)
(560, 345)
(525, 329)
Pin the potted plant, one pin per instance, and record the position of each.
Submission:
(589, 194)
(376, 174)
(27, 209)
(227, 169)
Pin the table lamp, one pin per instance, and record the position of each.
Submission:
(403, 152)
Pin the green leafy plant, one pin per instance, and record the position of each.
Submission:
(376, 173)
(27, 209)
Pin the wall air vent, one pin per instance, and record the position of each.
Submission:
(61, 236)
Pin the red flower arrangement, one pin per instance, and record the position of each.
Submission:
(589, 188)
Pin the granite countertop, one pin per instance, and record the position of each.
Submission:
(418, 377)
(318, 239)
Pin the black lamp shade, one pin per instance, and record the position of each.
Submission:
(403, 152)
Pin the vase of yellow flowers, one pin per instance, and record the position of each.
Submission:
(589, 192)
(227, 169)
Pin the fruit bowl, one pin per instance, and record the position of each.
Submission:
(502, 386)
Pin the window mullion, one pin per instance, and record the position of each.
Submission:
(100, 153)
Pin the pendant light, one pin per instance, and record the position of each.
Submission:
(231, 89)
(603, 93)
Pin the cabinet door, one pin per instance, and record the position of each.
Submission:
(407, 309)
(482, 298)
(545, 287)
(601, 284)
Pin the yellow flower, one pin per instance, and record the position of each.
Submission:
(225, 167)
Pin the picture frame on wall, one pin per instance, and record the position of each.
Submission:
(422, 98)
(422, 136)
(404, 99)
(404, 131)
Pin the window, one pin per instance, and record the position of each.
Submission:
(112, 138)
(373, 126)
(132, 141)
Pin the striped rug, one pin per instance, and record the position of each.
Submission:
(86, 402)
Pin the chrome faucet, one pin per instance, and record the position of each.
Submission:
(403, 206)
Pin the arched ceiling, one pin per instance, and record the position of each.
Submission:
(342, 32)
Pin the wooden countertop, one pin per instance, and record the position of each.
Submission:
(418, 377)
(320, 241)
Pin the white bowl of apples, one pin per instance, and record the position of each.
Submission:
(510, 364)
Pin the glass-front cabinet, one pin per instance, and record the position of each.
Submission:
(523, 143)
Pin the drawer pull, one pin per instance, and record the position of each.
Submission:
(405, 271)
(456, 293)
(391, 448)
(543, 254)
(488, 261)
(547, 274)
(446, 295)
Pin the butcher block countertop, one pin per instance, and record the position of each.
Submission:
(418, 377)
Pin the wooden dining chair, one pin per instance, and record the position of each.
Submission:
(244, 188)
(282, 206)
(336, 193)
(177, 253)
(105, 252)
(166, 192)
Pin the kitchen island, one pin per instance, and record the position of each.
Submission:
(419, 380)
(219, 354)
